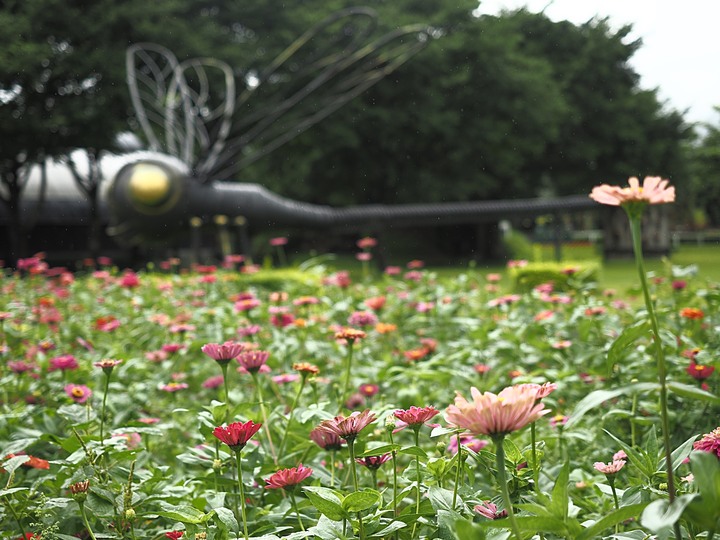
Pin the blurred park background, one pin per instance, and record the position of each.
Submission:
(502, 106)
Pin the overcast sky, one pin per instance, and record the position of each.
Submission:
(680, 54)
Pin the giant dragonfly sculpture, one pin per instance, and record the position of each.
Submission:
(205, 135)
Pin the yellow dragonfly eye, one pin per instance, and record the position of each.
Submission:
(149, 184)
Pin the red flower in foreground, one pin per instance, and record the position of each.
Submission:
(710, 442)
(325, 439)
(286, 478)
(237, 434)
(174, 535)
(253, 361)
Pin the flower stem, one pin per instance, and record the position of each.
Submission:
(8, 503)
(85, 520)
(104, 405)
(348, 369)
(224, 368)
(635, 230)
(258, 389)
(243, 513)
(502, 480)
(351, 450)
(458, 465)
(290, 416)
(297, 512)
(416, 429)
(535, 464)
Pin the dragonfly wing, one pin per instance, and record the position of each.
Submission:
(314, 77)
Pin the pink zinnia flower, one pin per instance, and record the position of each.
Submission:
(699, 371)
(363, 318)
(325, 439)
(610, 468)
(620, 455)
(368, 390)
(416, 416)
(490, 414)
(65, 362)
(223, 353)
(213, 382)
(78, 392)
(287, 478)
(710, 442)
(348, 428)
(654, 190)
(490, 510)
(278, 241)
(468, 441)
(285, 378)
(363, 256)
(19, 366)
(174, 387)
(246, 304)
(253, 361)
(373, 462)
(237, 434)
(129, 280)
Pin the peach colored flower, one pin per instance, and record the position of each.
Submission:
(610, 468)
(490, 414)
(654, 190)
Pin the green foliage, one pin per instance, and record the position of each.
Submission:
(564, 276)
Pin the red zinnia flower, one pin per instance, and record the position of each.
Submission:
(174, 535)
(64, 362)
(237, 434)
(490, 510)
(699, 371)
(286, 478)
(33, 462)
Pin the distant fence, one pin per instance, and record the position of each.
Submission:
(698, 238)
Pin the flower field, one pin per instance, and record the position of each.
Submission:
(242, 403)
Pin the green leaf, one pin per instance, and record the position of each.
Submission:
(391, 528)
(326, 501)
(12, 464)
(679, 454)
(10, 491)
(559, 497)
(637, 457)
(662, 514)
(413, 451)
(624, 340)
(685, 390)
(440, 498)
(704, 510)
(598, 397)
(512, 452)
(227, 518)
(614, 517)
(533, 524)
(183, 513)
(380, 450)
(359, 501)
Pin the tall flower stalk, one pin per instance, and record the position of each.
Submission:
(236, 436)
(633, 200)
(350, 335)
(107, 365)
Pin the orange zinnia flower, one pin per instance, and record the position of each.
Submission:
(692, 313)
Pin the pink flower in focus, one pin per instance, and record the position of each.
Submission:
(620, 455)
(613, 467)
(416, 416)
(223, 353)
(348, 428)
(286, 478)
(654, 190)
(78, 392)
(327, 440)
(490, 414)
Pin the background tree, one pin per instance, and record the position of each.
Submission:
(705, 175)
